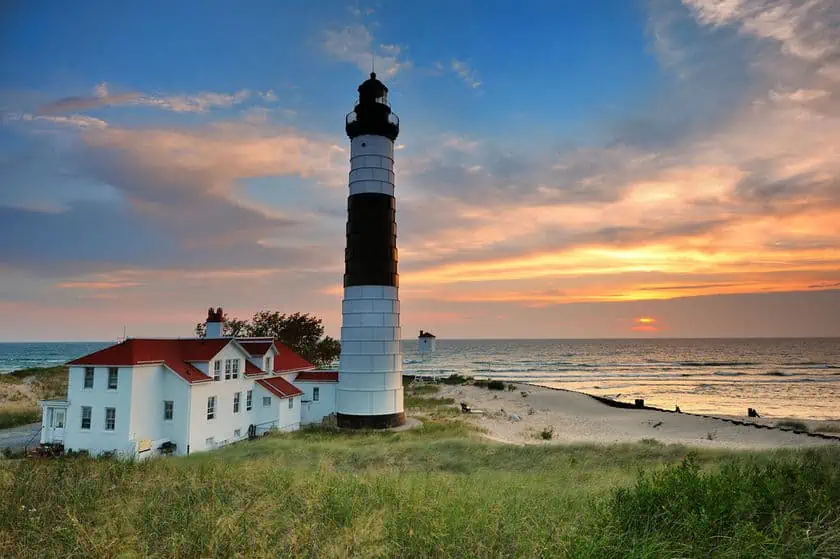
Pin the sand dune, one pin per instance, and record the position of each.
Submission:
(578, 418)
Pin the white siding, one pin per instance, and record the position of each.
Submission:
(312, 411)
(222, 427)
(152, 386)
(96, 439)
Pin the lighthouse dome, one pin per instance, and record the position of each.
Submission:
(372, 114)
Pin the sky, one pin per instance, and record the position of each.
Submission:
(661, 168)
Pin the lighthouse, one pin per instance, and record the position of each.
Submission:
(370, 393)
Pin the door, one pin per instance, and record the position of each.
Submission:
(55, 423)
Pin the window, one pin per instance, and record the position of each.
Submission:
(217, 369)
(291, 403)
(210, 442)
(268, 365)
(113, 378)
(315, 394)
(168, 410)
(235, 371)
(88, 377)
(211, 407)
(236, 402)
(237, 433)
(227, 369)
(110, 419)
(266, 401)
(87, 413)
(249, 396)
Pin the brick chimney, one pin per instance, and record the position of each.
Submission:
(215, 323)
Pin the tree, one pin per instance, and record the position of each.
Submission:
(302, 333)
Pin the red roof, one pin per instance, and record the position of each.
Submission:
(317, 376)
(287, 361)
(256, 347)
(176, 354)
(251, 369)
(279, 387)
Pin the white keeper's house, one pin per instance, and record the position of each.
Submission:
(141, 397)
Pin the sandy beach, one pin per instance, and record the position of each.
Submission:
(511, 417)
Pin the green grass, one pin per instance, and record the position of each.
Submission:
(422, 389)
(433, 491)
(12, 417)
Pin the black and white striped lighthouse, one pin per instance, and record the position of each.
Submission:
(369, 392)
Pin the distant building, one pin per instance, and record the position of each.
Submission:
(426, 342)
(196, 394)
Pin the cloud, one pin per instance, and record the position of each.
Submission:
(355, 44)
(468, 75)
(745, 196)
(193, 103)
(74, 121)
(177, 201)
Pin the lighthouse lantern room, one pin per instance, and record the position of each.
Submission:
(370, 392)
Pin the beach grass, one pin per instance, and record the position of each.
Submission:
(433, 491)
(21, 390)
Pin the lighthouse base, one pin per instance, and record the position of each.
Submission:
(386, 421)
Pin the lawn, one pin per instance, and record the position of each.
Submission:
(434, 491)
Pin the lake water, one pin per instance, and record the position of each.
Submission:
(779, 377)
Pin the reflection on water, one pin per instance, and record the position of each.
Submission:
(780, 377)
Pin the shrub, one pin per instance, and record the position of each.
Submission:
(481, 383)
(456, 379)
(511, 387)
(495, 385)
(795, 425)
(547, 434)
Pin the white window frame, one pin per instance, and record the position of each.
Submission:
(217, 369)
(89, 410)
(291, 403)
(113, 419)
(237, 396)
(316, 394)
(227, 369)
(269, 363)
(85, 378)
(237, 433)
(249, 400)
(235, 369)
(266, 401)
(211, 408)
(115, 377)
(168, 406)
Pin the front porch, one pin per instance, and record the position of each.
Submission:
(53, 421)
